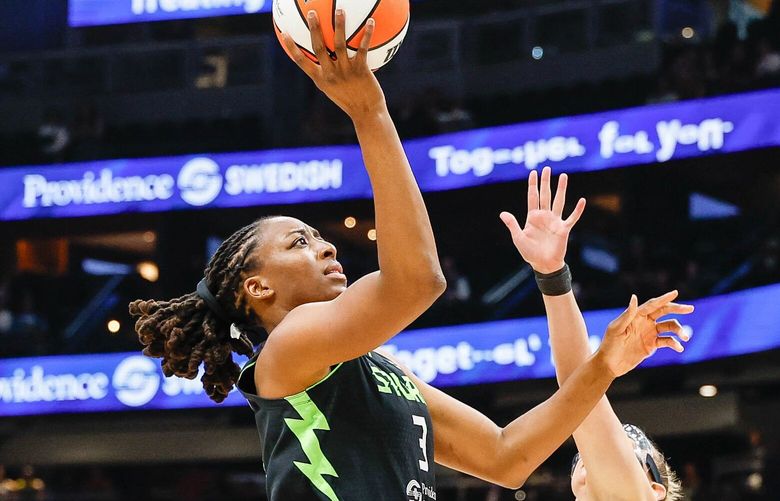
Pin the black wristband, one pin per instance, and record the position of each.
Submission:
(554, 284)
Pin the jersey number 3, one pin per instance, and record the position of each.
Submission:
(420, 421)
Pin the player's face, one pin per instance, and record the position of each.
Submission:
(579, 484)
(297, 263)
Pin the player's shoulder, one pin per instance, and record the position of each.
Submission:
(382, 354)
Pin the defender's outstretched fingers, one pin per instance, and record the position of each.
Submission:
(576, 214)
(545, 195)
(672, 309)
(362, 54)
(340, 40)
(303, 62)
(560, 195)
(533, 191)
(672, 326)
(317, 41)
(669, 342)
(651, 306)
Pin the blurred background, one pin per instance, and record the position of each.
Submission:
(89, 94)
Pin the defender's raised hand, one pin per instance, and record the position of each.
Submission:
(347, 81)
(542, 242)
(636, 333)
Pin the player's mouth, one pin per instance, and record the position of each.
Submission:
(335, 271)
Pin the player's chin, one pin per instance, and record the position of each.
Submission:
(334, 288)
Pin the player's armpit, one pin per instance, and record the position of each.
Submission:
(316, 336)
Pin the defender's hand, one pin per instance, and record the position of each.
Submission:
(348, 82)
(542, 242)
(636, 333)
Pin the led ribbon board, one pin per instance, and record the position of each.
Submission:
(101, 12)
(732, 324)
(646, 135)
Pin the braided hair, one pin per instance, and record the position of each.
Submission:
(184, 332)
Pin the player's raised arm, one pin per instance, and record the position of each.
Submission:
(468, 441)
(317, 335)
(613, 471)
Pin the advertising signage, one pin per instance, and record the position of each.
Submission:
(732, 324)
(101, 12)
(651, 134)
(82, 13)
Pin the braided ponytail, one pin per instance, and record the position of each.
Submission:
(185, 333)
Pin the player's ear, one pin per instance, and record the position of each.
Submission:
(659, 491)
(258, 289)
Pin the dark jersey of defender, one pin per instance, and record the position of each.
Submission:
(362, 433)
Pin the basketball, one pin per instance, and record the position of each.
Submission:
(391, 16)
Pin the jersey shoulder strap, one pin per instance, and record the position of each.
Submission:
(246, 385)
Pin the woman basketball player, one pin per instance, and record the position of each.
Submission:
(337, 420)
(615, 461)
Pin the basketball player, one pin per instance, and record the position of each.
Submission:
(615, 461)
(337, 419)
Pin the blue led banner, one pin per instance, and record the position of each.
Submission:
(101, 12)
(651, 134)
(723, 326)
(729, 325)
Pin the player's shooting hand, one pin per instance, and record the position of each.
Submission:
(347, 81)
(636, 333)
(542, 242)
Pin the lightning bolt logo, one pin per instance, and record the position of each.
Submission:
(312, 419)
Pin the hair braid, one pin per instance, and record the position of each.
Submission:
(185, 333)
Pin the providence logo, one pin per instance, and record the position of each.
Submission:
(136, 381)
(417, 492)
(200, 181)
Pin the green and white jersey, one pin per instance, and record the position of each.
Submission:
(362, 433)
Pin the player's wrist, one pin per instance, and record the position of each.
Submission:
(548, 267)
(553, 283)
(366, 115)
(600, 361)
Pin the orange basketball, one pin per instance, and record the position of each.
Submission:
(391, 16)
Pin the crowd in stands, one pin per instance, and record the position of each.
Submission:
(725, 65)
(34, 320)
(689, 69)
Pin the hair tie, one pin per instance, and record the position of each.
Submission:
(203, 291)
